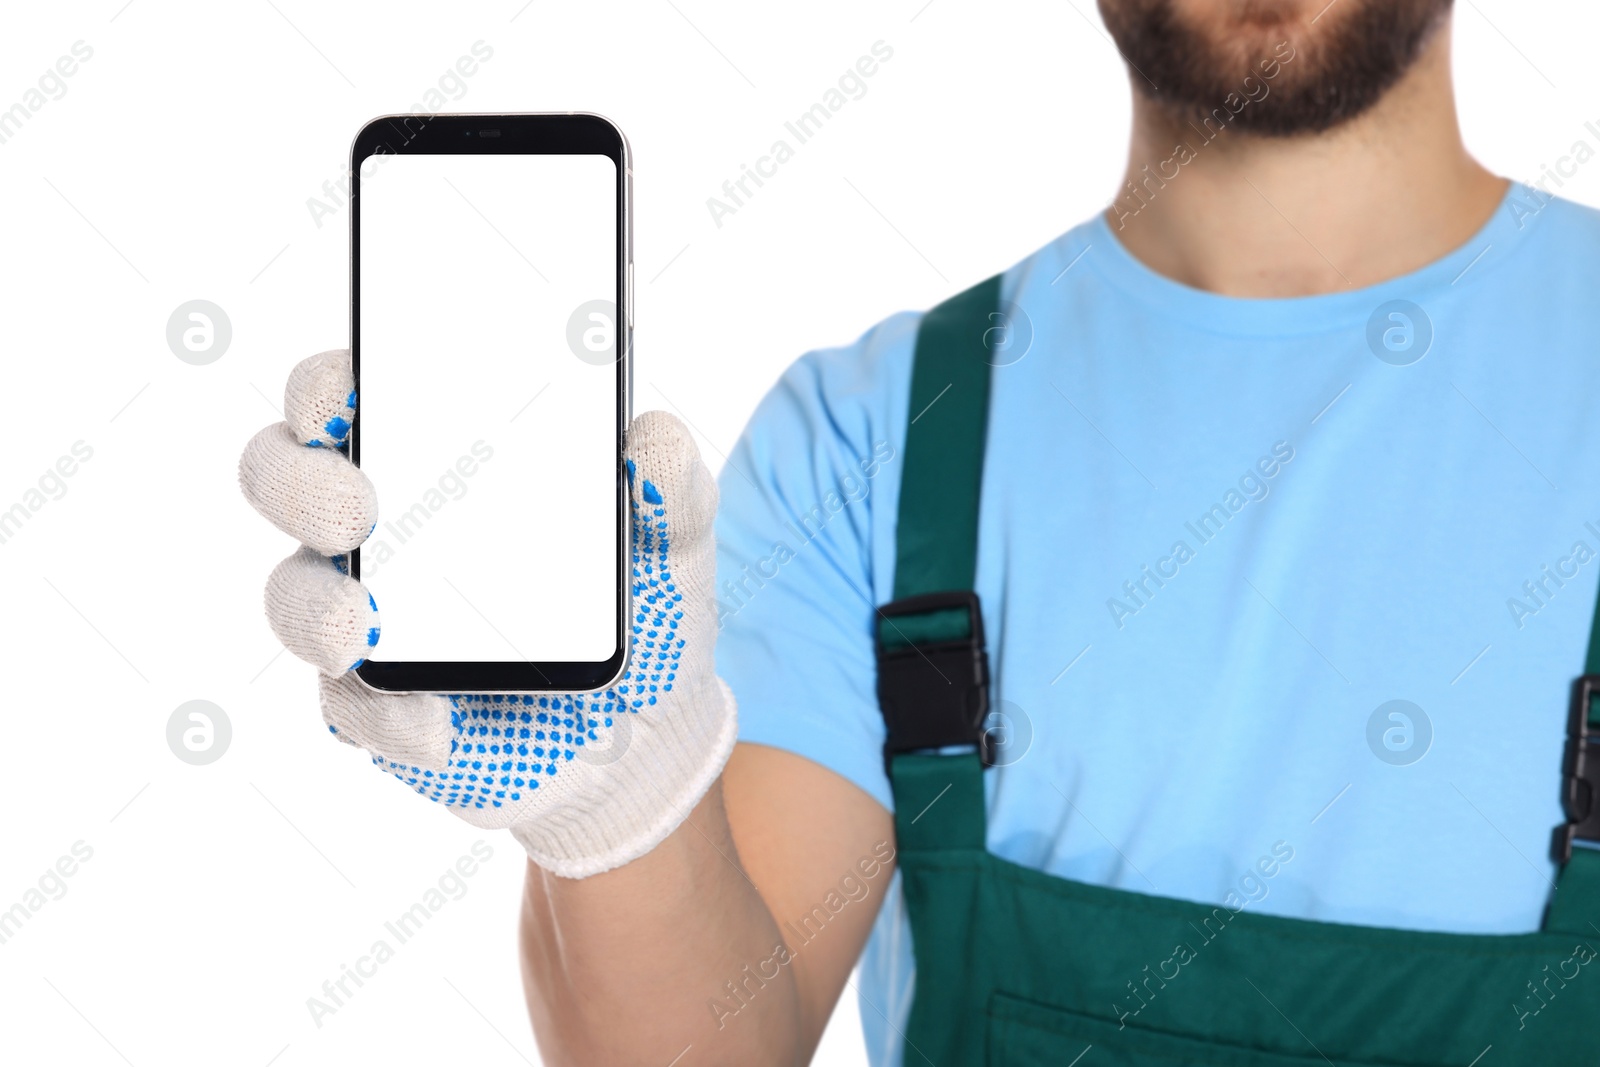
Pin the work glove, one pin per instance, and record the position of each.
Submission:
(585, 781)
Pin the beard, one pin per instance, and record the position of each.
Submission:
(1339, 67)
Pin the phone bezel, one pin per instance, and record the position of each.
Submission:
(558, 133)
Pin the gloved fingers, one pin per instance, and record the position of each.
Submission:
(329, 620)
(320, 613)
(319, 401)
(405, 729)
(674, 494)
(314, 495)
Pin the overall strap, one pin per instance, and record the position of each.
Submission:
(933, 671)
(1575, 907)
(936, 541)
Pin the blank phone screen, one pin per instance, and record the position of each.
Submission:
(488, 400)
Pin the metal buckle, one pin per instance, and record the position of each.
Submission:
(933, 692)
(1580, 774)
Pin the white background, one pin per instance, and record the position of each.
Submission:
(178, 166)
(471, 267)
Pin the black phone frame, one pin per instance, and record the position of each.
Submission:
(550, 133)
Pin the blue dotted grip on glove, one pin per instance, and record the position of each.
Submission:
(338, 427)
(504, 745)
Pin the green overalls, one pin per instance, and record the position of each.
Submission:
(1017, 967)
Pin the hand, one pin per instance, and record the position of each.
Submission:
(521, 762)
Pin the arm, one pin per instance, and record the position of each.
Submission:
(634, 965)
(637, 925)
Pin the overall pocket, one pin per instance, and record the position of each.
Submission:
(1022, 1033)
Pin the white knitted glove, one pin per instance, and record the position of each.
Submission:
(530, 763)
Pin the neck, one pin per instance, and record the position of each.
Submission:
(1379, 196)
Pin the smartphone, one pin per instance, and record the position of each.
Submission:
(491, 325)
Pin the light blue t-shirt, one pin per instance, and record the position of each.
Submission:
(1220, 538)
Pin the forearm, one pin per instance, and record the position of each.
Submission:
(626, 967)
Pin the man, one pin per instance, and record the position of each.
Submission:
(1283, 564)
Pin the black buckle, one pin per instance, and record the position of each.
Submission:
(933, 691)
(1580, 774)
